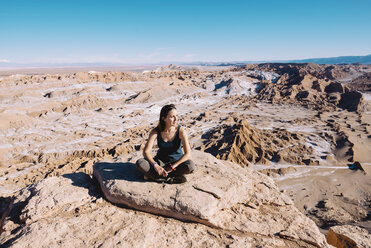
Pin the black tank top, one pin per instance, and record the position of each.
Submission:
(169, 151)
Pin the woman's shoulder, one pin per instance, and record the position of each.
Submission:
(153, 131)
(182, 130)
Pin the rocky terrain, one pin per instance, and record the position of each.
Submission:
(306, 126)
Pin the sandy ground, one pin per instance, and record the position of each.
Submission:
(53, 127)
(330, 196)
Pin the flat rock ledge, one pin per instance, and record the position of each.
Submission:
(218, 194)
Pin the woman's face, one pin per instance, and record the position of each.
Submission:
(171, 119)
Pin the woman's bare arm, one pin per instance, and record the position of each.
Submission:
(148, 147)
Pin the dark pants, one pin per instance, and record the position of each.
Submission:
(147, 169)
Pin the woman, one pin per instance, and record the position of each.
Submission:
(170, 163)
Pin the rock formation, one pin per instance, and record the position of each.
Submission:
(348, 237)
(221, 195)
(242, 143)
(311, 85)
(240, 207)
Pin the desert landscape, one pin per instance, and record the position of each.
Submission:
(282, 153)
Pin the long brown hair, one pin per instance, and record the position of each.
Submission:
(164, 112)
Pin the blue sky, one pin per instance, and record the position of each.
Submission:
(141, 32)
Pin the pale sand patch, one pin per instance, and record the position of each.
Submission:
(345, 193)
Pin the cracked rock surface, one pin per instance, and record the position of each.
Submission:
(219, 194)
(224, 205)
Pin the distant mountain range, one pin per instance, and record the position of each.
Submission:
(366, 60)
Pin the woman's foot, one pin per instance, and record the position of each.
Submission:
(176, 179)
(169, 180)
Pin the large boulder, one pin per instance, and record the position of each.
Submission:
(348, 236)
(68, 211)
(219, 194)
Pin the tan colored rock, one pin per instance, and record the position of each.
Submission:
(49, 198)
(105, 225)
(243, 143)
(348, 236)
(83, 76)
(66, 212)
(219, 194)
(278, 172)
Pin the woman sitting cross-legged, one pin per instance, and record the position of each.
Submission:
(170, 163)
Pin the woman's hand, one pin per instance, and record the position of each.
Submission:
(160, 171)
(169, 168)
